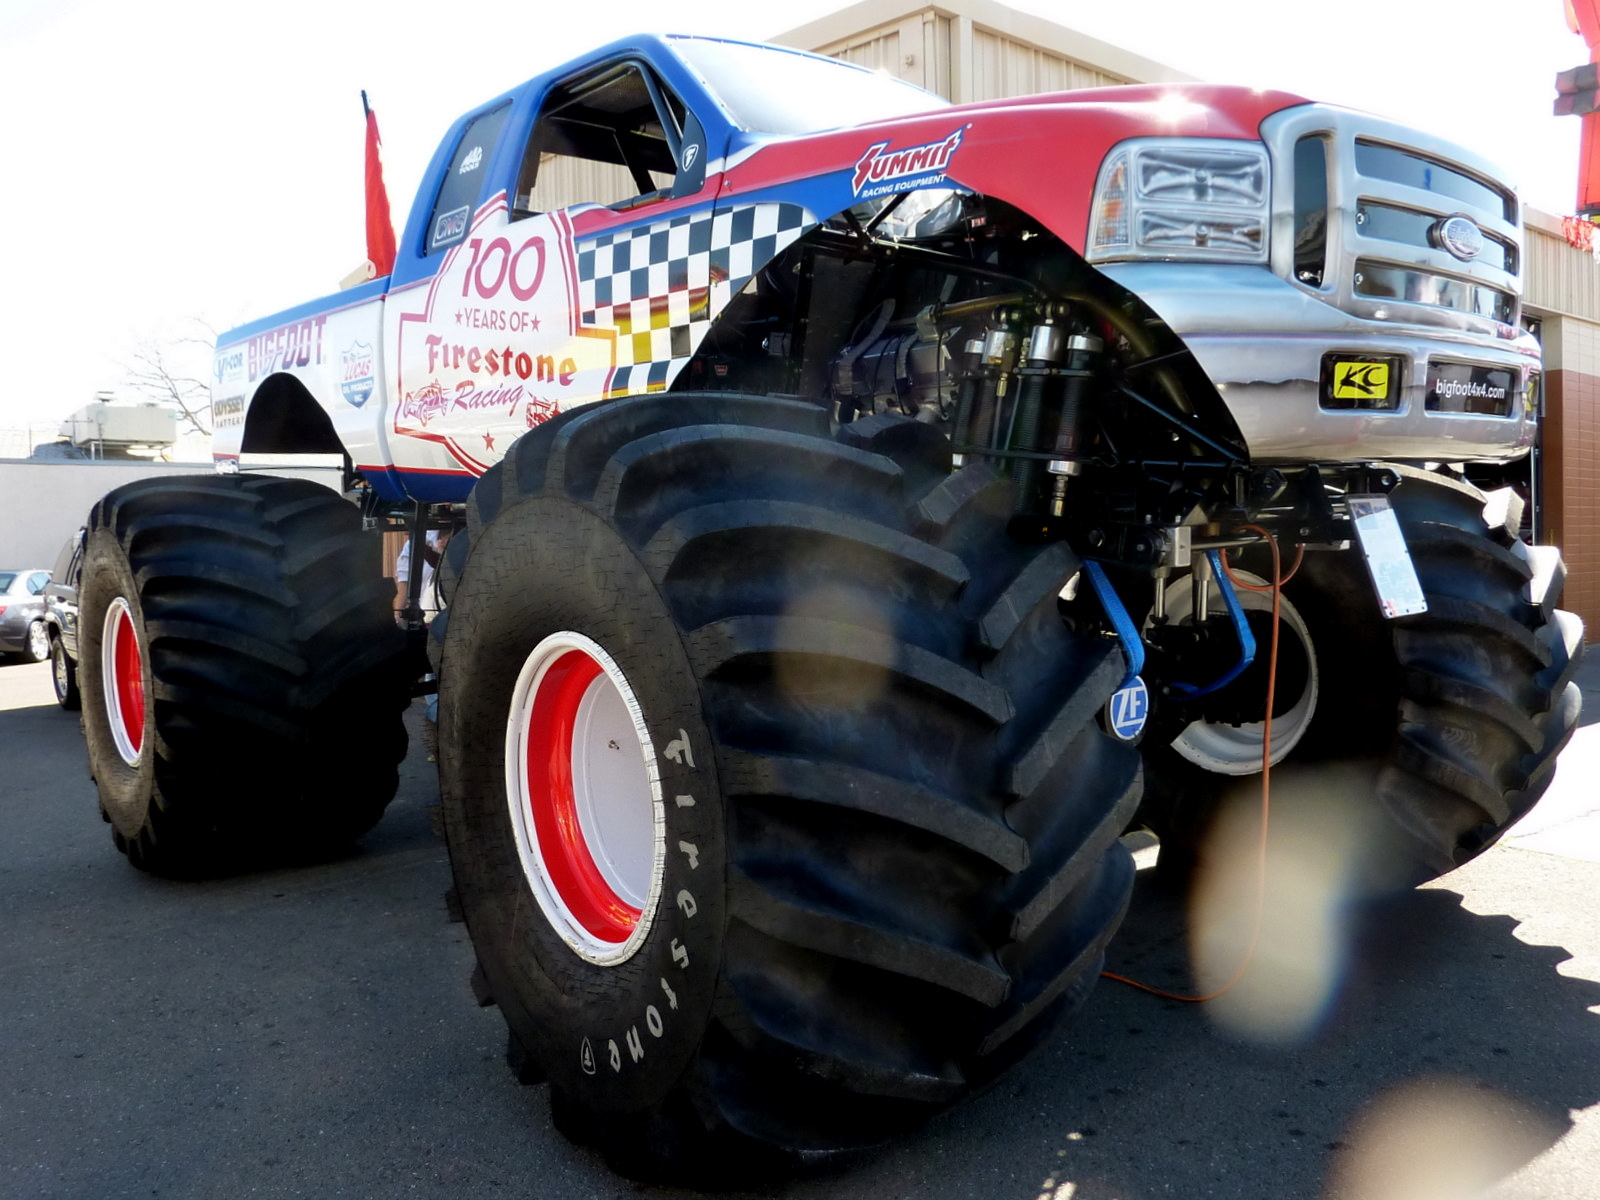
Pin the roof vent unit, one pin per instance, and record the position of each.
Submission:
(121, 425)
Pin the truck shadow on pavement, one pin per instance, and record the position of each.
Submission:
(1479, 1046)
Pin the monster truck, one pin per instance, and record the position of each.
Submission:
(847, 480)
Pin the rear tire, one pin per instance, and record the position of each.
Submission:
(245, 683)
(1456, 714)
(884, 824)
(64, 676)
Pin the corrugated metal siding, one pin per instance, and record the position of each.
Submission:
(936, 52)
(1559, 278)
(564, 181)
(1002, 67)
(920, 51)
(916, 49)
(879, 51)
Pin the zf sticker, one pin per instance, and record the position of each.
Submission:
(1128, 709)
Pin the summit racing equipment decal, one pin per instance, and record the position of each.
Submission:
(880, 170)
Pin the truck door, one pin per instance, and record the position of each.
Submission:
(588, 277)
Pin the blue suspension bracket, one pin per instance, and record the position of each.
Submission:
(1247, 640)
(1127, 632)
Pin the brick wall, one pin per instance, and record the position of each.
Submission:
(1572, 460)
(1572, 487)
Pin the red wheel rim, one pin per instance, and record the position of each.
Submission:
(123, 671)
(584, 795)
(554, 805)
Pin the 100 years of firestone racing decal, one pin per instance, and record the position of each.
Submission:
(495, 348)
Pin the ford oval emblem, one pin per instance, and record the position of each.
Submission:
(1460, 237)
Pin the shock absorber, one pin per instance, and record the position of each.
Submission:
(966, 395)
(1044, 351)
(998, 354)
(1082, 349)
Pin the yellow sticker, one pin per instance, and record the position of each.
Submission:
(1360, 380)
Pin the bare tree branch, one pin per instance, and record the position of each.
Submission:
(155, 374)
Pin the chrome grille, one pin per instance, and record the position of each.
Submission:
(1388, 190)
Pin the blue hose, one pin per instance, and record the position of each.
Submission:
(1247, 640)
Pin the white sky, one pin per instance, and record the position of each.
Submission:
(204, 158)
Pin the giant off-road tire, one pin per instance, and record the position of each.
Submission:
(1455, 715)
(241, 675)
(777, 807)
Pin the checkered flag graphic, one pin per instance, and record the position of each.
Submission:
(661, 285)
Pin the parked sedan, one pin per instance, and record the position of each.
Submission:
(22, 628)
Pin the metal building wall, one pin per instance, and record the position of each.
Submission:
(970, 50)
(1562, 289)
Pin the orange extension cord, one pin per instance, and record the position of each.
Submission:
(1276, 587)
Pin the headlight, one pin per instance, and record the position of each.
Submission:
(1190, 198)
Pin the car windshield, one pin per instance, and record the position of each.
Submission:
(766, 89)
(7, 578)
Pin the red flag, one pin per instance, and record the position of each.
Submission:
(1583, 17)
(380, 226)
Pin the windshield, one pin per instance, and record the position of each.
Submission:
(770, 90)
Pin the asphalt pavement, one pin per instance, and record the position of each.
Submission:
(312, 1032)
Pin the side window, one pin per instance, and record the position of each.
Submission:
(63, 568)
(602, 140)
(463, 179)
(36, 582)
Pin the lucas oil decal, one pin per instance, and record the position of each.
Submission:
(494, 349)
(356, 377)
(881, 170)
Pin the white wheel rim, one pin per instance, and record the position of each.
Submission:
(58, 668)
(122, 669)
(38, 642)
(1236, 750)
(585, 799)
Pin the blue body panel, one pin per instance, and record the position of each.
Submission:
(414, 267)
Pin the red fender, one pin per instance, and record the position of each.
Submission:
(1038, 153)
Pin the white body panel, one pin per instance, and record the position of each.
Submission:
(490, 346)
(334, 354)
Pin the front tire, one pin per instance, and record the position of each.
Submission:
(1462, 710)
(875, 859)
(64, 676)
(1455, 716)
(245, 680)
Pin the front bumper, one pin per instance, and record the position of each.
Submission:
(1262, 339)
